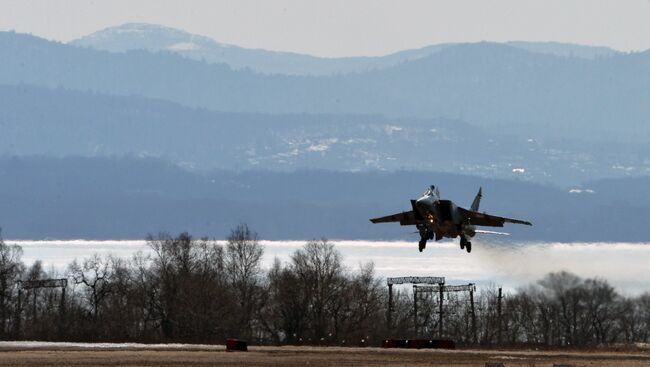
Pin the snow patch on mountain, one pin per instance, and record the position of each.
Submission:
(184, 46)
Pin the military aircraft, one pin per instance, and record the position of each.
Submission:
(434, 217)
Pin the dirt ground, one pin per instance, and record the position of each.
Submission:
(311, 356)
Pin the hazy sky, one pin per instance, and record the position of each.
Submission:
(347, 27)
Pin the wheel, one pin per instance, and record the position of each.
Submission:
(463, 242)
(422, 245)
(468, 247)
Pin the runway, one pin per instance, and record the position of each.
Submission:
(87, 354)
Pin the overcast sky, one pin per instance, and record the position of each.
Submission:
(347, 27)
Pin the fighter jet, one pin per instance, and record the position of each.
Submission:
(434, 217)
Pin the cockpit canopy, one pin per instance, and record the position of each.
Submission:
(432, 191)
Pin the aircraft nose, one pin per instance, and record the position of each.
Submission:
(422, 203)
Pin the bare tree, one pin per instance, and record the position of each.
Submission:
(95, 273)
(362, 305)
(285, 310)
(243, 266)
(172, 257)
(320, 270)
(196, 290)
(643, 328)
(526, 314)
(185, 287)
(602, 308)
(11, 268)
(567, 291)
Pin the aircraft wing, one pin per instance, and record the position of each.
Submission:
(404, 218)
(482, 219)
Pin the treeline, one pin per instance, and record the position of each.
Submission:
(196, 290)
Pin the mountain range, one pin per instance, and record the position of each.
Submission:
(156, 38)
(142, 128)
(493, 86)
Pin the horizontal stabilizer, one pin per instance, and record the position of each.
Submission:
(484, 219)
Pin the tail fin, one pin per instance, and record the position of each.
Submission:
(477, 200)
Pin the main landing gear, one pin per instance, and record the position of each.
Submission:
(425, 234)
(465, 244)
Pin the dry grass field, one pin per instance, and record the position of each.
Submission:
(64, 355)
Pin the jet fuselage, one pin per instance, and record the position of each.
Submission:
(441, 218)
(437, 218)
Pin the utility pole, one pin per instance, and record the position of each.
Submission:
(499, 316)
(440, 300)
(34, 306)
(389, 316)
(471, 300)
(18, 313)
(62, 318)
(415, 310)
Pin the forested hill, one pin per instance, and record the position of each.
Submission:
(61, 122)
(491, 85)
(102, 198)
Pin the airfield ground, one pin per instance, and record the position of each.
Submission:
(14, 355)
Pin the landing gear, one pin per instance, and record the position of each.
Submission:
(422, 244)
(425, 234)
(465, 244)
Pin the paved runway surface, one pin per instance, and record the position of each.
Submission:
(81, 354)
